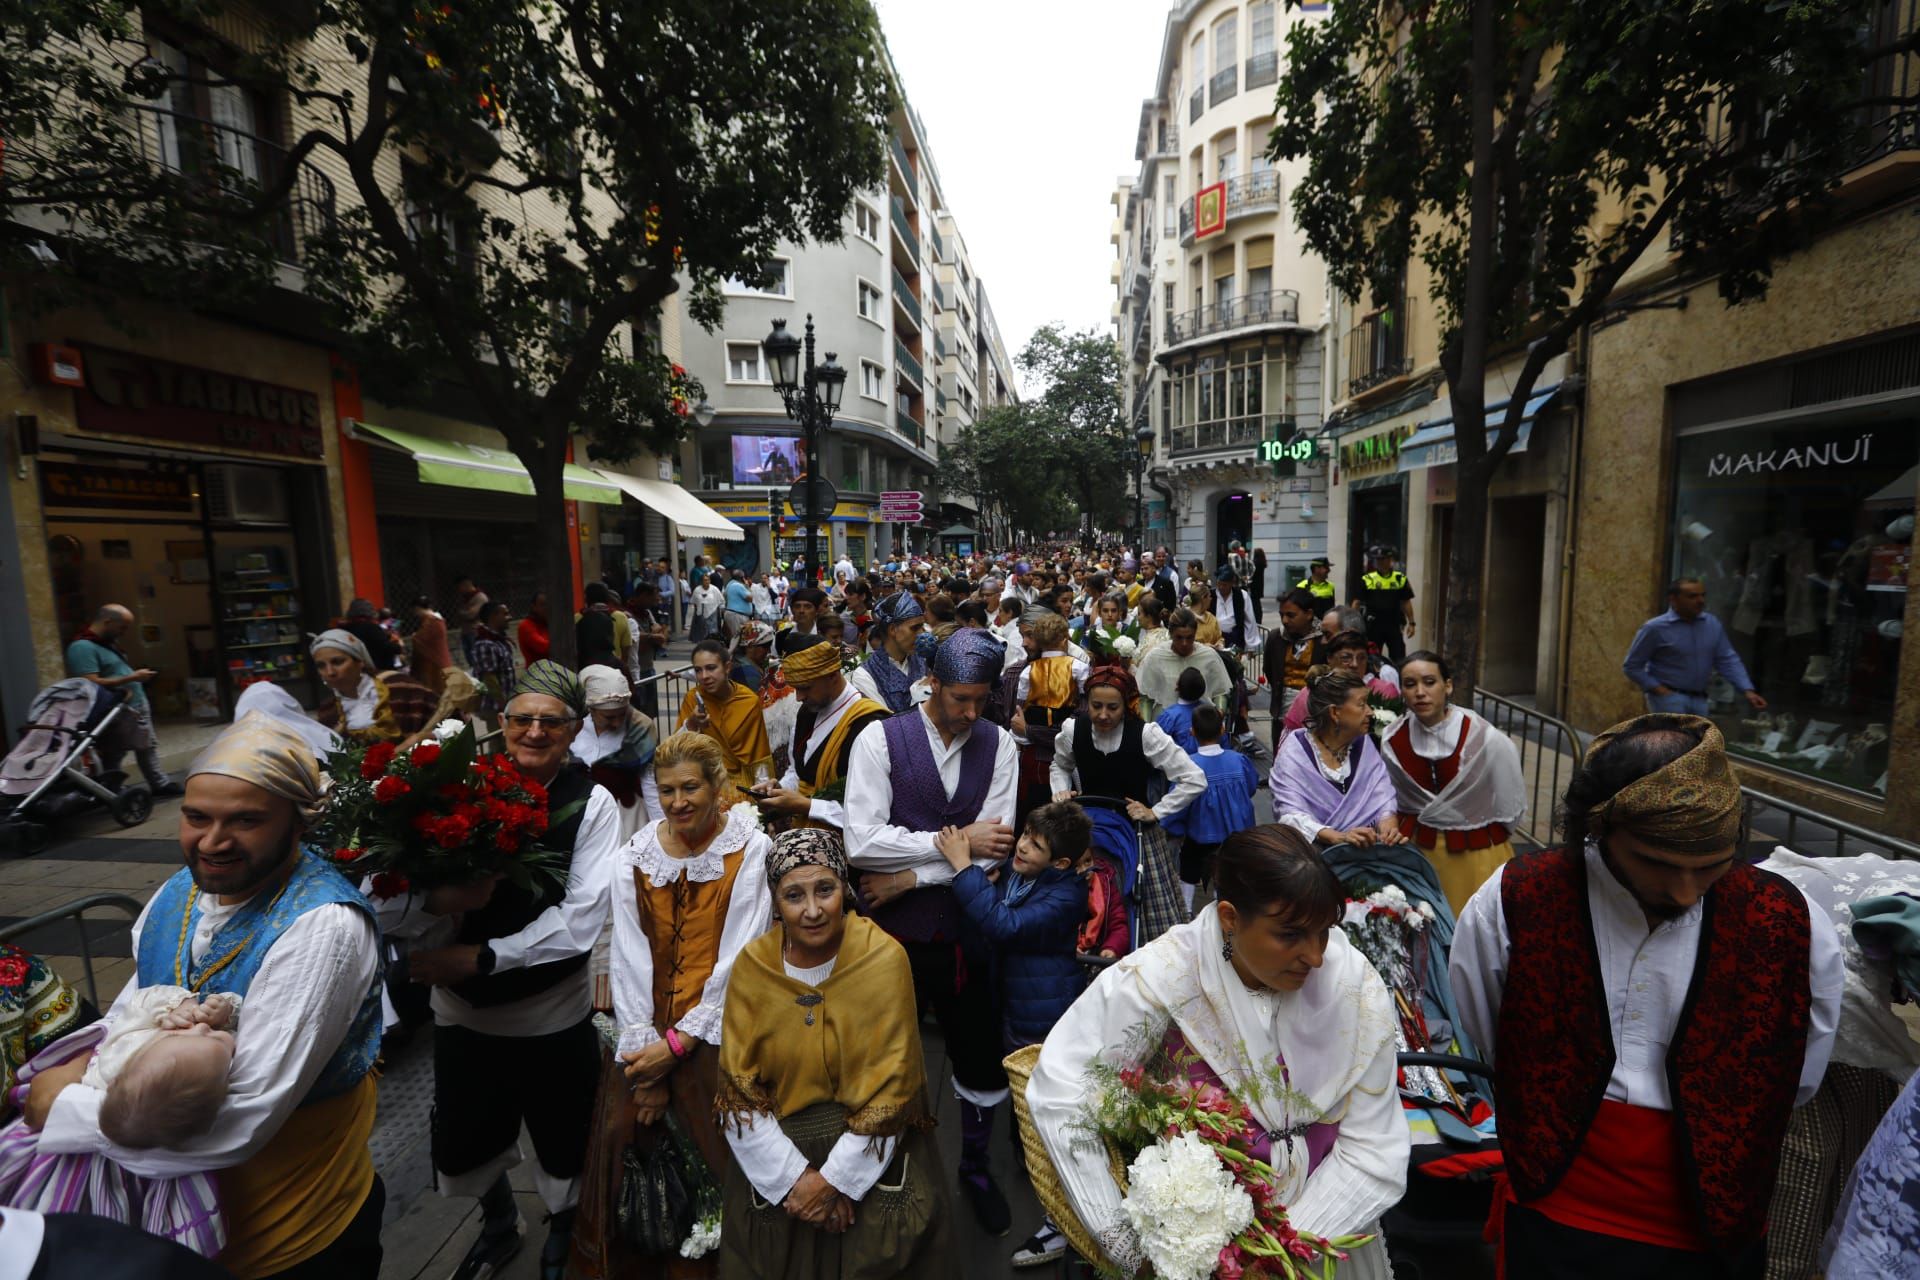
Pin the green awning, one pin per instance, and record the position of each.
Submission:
(477, 466)
(956, 531)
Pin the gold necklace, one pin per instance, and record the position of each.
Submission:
(186, 924)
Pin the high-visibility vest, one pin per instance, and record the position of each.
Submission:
(1387, 582)
(1324, 590)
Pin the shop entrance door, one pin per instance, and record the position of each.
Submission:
(1517, 528)
(1233, 522)
(1376, 516)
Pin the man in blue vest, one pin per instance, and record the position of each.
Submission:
(934, 766)
(254, 915)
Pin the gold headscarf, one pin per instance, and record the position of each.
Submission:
(811, 663)
(261, 750)
(1690, 806)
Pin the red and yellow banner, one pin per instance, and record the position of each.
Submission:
(1210, 210)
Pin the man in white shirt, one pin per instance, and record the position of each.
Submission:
(832, 717)
(291, 1134)
(843, 572)
(513, 994)
(936, 766)
(1654, 1009)
(894, 674)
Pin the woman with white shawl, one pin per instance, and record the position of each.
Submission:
(1456, 780)
(1158, 669)
(1263, 996)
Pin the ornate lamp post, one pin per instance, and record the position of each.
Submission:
(812, 396)
(1143, 449)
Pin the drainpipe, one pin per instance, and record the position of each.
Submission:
(1580, 350)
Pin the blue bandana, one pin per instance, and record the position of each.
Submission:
(970, 655)
(898, 607)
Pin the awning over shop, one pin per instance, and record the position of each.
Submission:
(1433, 444)
(957, 531)
(476, 466)
(692, 515)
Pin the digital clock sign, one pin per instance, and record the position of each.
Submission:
(1297, 450)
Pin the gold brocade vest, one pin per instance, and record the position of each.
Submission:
(294, 1196)
(1298, 664)
(1050, 692)
(682, 922)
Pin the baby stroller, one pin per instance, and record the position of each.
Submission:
(1149, 880)
(1445, 1090)
(53, 772)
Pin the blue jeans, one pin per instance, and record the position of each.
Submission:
(1684, 703)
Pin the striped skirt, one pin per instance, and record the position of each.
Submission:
(184, 1209)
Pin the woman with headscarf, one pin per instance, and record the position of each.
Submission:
(895, 671)
(823, 1091)
(365, 707)
(1329, 782)
(1108, 751)
(689, 892)
(1260, 996)
(617, 744)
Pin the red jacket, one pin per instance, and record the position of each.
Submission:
(534, 644)
(1106, 927)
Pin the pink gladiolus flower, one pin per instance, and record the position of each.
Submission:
(1229, 1266)
(1212, 1098)
(1300, 1249)
(1132, 1077)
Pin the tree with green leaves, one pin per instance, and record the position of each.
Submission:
(1080, 418)
(1530, 152)
(494, 196)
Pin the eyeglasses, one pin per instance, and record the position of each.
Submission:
(549, 723)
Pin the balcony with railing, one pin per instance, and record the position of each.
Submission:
(1166, 139)
(904, 423)
(905, 298)
(901, 159)
(1282, 306)
(1378, 351)
(233, 164)
(1142, 331)
(1250, 193)
(1197, 104)
(1226, 435)
(904, 362)
(940, 245)
(1262, 69)
(1224, 85)
(903, 230)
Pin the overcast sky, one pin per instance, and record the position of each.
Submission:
(1031, 108)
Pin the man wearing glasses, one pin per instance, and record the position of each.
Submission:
(513, 993)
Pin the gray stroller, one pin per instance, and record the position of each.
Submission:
(54, 773)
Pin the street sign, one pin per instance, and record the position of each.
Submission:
(824, 498)
(900, 517)
(889, 497)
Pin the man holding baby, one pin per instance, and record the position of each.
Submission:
(243, 1047)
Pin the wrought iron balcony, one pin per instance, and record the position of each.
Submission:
(1167, 138)
(1251, 193)
(1282, 306)
(906, 165)
(1378, 351)
(904, 362)
(1223, 86)
(903, 295)
(904, 229)
(903, 423)
(1262, 69)
(237, 164)
(1142, 331)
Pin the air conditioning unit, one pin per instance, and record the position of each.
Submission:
(245, 495)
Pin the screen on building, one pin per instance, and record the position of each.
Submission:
(766, 459)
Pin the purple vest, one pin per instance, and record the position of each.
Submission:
(920, 803)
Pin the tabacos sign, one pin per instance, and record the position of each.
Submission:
(131, 394)
(1801, 457)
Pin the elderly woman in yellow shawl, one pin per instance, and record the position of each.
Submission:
(823, 1090)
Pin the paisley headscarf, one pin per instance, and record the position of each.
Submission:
(821, 658)
(806, 847)
(969, 656)
(549, 679)
(898, 607)
(259, 749)
(1692, 805)
(1115, 677)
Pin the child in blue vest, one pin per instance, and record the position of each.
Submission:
(1030, 917)
(1226, 806)
(1177, 720)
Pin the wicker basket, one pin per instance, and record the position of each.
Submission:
(1040, 1172)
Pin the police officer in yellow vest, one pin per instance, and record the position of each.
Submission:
(1319, 579)
(1388, 600)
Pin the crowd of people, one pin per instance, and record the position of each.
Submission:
(1015, 798)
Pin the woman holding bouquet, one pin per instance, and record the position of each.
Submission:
(1112, 640)
(1262, 998)
(823, 1091)
(689, 892)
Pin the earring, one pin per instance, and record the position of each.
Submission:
(1226, 948)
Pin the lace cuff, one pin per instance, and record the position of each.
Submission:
(634, 1039)
(702, 1022)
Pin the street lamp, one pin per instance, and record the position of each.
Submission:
(811, 394)
(1143, 449)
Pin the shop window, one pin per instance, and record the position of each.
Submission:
(1803, 535)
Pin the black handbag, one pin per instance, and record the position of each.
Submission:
(665, 1190)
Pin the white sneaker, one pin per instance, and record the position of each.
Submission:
(1043, 1246)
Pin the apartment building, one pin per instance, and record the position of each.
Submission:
(219, 470)
(1221, 311)
(1770, 449)
(898, 303)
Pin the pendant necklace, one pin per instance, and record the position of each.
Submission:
(807, 1000)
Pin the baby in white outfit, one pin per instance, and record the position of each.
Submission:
(163, 1066)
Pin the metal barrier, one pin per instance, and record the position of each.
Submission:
(1755, 807)
(76, 911)
(1550, 750)
(671, 686)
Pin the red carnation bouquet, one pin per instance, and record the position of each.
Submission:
(437, 813)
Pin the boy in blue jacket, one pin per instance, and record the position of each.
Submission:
(1030, 916)
(1226, 806)
(1177, 720)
